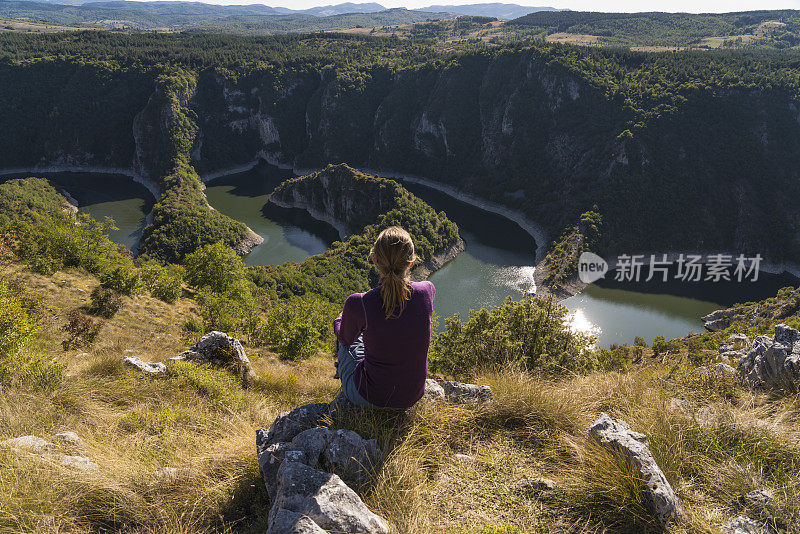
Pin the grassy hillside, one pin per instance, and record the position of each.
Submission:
(200, 422)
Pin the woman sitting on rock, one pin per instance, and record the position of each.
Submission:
(384, 334)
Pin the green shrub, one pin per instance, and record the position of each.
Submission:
(124, 280)
(298, 341)
(216, 267)
(300, 326)
(105, 302)
(530, 333)
(163, 282)
(16, 327)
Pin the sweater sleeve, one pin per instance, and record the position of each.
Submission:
(352, 322)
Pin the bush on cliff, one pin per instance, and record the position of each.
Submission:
(530, 334)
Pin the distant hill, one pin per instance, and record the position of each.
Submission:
(243, 19)
(775, 29)
(341, 9)
(496, 10)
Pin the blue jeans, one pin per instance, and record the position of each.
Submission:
(347, 358)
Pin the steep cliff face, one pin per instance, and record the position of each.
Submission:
(346, 199)
(709, 167)
(715, 172)
(356, 203)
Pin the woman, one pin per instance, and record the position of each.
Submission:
(384, 333)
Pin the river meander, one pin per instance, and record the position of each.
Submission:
(497, 263)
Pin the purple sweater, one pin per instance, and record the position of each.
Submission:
(393, 371)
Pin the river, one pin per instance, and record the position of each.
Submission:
(105, 195)
(497, 263)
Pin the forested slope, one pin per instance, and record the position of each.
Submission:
(677, 151)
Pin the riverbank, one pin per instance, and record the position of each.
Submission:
(439, 260)
(153, 187)
(338, 225)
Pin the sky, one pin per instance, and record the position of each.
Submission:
(690, 6)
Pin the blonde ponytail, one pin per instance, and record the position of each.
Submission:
(393, 254)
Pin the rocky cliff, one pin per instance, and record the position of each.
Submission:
(672, 163)
(540, 137)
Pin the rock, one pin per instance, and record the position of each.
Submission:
(433, 391)
(82, 355)
(324, 499)
(535, 484)
(149, 368)
(617, 436)
(759, 497)
(352, 456)
(30, 444)
(466, 458)
(272, 443)
(732, 356)
(77, 462)
(467, 393)
(719, 320)
(288, 522)
(307, 447)
(725, 369)
(70, 439)
(221, 350)
(773, 363)
(741, 524)
(735, 343)
(289, 424)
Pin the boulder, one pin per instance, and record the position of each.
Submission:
(433, 391)
(30, 444)
(288, 522)
(617, 436)
(741, 524)
(735, 343)
(725, 369)
(70, 439)
(465, 458)
(324, 499)
(221, 350)
(289, 424)
(157, 369)
(352, 456)
(76, 462)
(467, 393)
(773, 363)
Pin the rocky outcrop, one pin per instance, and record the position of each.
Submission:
(433, 391)
(301, 463)
(772, 310)
(461, 393)
(741, 524)
(322, 498)
(733, 348)
(157, 369)
(251, 241)
(617, 436)
(221, 350)
(773, 363)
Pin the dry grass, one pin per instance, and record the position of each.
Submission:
(199, 421)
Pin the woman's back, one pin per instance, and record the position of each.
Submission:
(394, 369)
